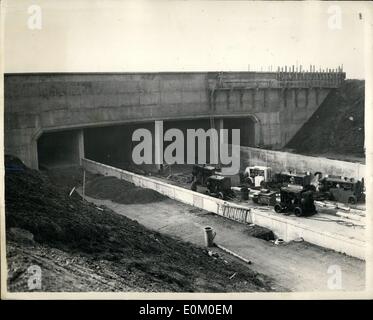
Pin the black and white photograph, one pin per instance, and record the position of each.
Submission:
(157, 149)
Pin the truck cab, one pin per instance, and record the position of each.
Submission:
(256, 176)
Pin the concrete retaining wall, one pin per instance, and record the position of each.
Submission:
(280, 161)
(287, 228)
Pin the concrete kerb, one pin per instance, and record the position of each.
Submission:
(283, 227)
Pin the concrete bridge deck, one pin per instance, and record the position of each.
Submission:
(275, 104)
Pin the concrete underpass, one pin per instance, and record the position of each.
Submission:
(113, 145)
(87, 121)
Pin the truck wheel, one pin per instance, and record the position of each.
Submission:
(255, 200)
(351, 200)
(278, 208)
(298, 211)
(221, 195)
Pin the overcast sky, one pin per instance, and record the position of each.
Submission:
(99, 36)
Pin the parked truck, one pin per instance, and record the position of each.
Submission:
(341, 189)
(263, 177)
(257, 176)
(200, 174)
(265, 197)
(219, 187)
(295, 199)
(302, 179)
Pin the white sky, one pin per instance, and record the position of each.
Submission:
(100, 36)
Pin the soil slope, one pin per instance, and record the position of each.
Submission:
(336, 129)
(81, 247)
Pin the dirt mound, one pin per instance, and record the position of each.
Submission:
(120, 191)
(66, 178)
(337, 127)
(148, 261)
(260, 232)
(13, 164)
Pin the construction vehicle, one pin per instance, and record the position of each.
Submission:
(285, 178)
(257, 176)
(241, 193)
(201, 173)
(341, 189)
(265, 197)
(219, 187)
(260, 176)
(295, 199)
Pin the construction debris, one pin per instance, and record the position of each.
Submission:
(278, 241)
(233, 253)
(233, 275)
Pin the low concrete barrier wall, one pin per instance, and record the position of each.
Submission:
(280, 161)
(287, 228)
(174, 192)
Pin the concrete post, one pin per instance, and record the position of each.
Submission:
(253, 98)
(285, 97)
(33, 154)
(158, 144)
(220, 126)
(240, 99)
(258, 138)
(81, 152)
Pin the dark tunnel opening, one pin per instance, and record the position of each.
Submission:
(246, 127)
(59, 149)
(113, 145)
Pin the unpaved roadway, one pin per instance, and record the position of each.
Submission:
(298, 266)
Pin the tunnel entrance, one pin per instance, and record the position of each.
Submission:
(247, 130)
(60, 149)
(113, 145)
